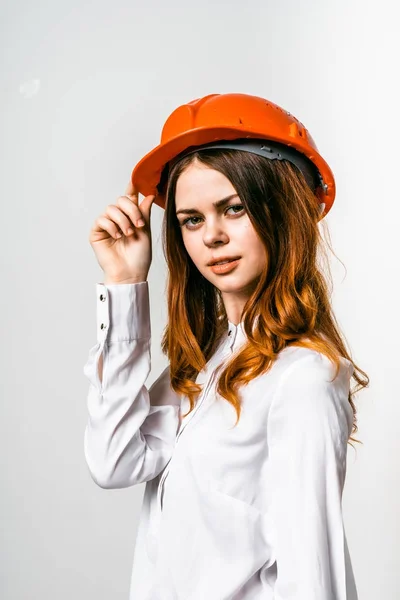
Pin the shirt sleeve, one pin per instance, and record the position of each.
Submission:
(309, 424)
(131, 431)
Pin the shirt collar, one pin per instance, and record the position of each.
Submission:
(235, 335)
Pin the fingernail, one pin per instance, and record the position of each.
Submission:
(140, 223)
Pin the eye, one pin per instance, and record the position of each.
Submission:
(236, 206)
(189, 220)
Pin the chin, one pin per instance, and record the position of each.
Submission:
(233, 286)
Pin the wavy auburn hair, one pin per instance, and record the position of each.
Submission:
(290, 306)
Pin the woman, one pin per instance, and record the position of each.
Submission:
(242, 439)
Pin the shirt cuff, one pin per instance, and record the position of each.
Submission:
(123, 311)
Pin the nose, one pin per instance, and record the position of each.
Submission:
(214, 234)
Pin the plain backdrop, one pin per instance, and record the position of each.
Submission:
(85, 90)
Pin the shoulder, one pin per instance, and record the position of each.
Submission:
(307, 389)
(311, 366)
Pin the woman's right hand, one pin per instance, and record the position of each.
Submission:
(127, 258)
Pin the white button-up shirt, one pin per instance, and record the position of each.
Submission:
(252, 512)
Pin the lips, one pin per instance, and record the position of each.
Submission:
(226, 267)
(222, 259)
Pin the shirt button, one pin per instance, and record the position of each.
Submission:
(229, 332)
(102, 297)
(103, 326)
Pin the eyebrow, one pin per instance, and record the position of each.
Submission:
(217, 204)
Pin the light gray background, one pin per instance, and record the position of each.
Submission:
(85, 90)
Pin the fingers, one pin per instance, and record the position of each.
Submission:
(105, 224)
(126, 215)
(132, 191)
(132, 210)
(133, 195)
(146, 206)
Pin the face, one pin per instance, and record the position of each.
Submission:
(212, 232)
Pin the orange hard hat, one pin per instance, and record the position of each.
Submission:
(237, 121)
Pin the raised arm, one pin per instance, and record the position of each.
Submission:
(130, 433)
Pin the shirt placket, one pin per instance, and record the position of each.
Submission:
(226, 350)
